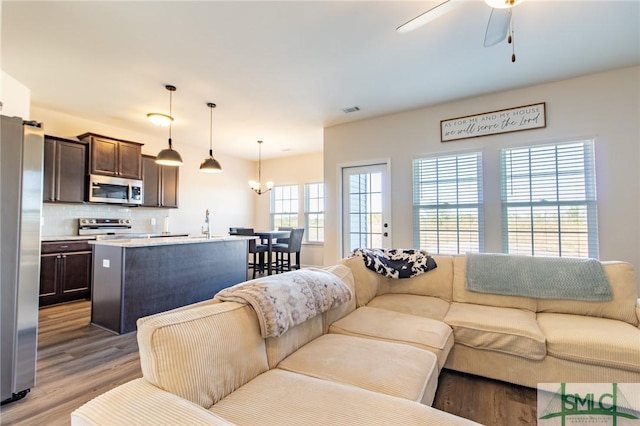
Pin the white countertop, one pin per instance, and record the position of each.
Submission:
(166, 241)
(68, 238)
(99, 236)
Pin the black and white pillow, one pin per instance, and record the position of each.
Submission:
(396, 263)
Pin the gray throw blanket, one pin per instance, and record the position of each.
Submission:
(284, 301)
(396, 263)
(539, 277)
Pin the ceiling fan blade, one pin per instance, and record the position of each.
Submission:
(427, 16)
(497, 27)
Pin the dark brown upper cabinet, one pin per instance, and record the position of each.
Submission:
(114, 157)
(65, 170)
(160, 183)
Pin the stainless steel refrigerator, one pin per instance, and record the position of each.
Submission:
(21, 162)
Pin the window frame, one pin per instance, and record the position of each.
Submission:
(292, 201)
(319, 214)
(588, 202)
(440, 206)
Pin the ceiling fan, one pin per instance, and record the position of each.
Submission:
(499, 26)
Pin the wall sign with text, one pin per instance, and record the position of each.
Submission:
(490, 123)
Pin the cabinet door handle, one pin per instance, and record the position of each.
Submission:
(63, 247)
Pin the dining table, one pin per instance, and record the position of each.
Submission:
(268, 237)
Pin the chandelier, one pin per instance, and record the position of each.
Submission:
(256, 186)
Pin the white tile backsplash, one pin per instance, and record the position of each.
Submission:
(62, 219)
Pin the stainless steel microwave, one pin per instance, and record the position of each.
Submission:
(107, 189)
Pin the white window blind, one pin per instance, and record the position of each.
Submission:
(314, 211)
(448, 204)
(284, 206)
(549, 200)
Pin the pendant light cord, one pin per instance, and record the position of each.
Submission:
(170, 114)
(260, 163)
(210, 131)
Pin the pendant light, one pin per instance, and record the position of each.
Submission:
(168, 156)
(256, 185)
(210, 164)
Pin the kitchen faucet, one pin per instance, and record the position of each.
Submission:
(207, 227)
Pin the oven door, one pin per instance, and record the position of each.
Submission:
(106, 189)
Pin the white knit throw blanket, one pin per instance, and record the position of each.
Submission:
(286, 300)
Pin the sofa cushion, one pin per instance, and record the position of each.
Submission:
(366, 281)
(278, 348)
(385, 367)
(506, 330)
(436, 283)
(202, 354)
(138, 402)
(381, 324)
(423, 306)
(462, 295)
(622, 280)
(591, 340)
(345, 274)
(280, 397)
(282, 346)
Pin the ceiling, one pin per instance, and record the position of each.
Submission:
(282, 71)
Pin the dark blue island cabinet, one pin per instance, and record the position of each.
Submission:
(140, 277)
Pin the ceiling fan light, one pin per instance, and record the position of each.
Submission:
(160, 119)
(502, 4)
(169, 157)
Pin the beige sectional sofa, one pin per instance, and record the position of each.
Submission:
(372, 360)
(519, 340)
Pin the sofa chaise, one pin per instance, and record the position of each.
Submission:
(374, 359)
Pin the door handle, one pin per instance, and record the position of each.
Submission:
(386, 234)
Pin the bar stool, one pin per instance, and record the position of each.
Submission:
(257, 251)
(284, 251)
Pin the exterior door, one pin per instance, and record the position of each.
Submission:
(366, 207)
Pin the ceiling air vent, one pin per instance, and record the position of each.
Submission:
(351, 109)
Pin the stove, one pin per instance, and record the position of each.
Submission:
(94, 226)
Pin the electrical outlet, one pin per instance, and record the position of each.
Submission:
(106, 263)
(153, 221)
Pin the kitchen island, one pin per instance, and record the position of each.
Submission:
(143, 276)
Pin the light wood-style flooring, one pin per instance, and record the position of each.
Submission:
(78, 361)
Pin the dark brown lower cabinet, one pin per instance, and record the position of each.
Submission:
(65, 271)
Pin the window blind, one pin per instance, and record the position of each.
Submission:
(549, 200)
(284, 206)
(314, 211)
(448, 203)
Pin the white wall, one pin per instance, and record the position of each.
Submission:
(603, 106)
(15, 97)
(225, 194)
(294, 170)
